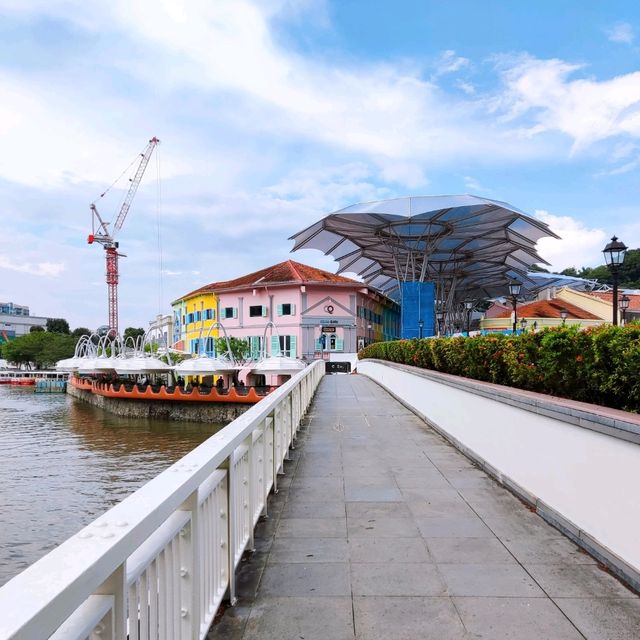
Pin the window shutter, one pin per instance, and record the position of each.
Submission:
(318, 345)
(279, 309)
(223, 314)
(293, 309)
(275, 346)
(292, 342)
(235, 312)
(264, 312)
(339, 344)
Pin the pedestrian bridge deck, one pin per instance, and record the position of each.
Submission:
(381, 529)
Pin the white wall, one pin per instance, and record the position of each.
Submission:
(592, 479)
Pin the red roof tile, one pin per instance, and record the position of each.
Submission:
(549, 309)
(288, 272)
(607, 296)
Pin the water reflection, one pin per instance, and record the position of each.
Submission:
(64, 462)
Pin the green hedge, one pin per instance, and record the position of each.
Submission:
(599, 365)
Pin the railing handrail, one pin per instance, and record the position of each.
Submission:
(45, 594)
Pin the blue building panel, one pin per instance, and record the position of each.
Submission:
(418, 304)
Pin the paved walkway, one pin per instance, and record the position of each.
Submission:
(382, 530)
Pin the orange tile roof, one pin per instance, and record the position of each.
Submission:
(549, 309)
(287, 272)
(607, 296)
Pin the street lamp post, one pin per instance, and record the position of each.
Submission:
(614, 257)
(564, 314)
(624, 305)
(440, 321)
(369, 327)
(420, 327)
(468, 305)
(514, 292)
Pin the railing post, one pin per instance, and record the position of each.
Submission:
(269, 459)
(251, 478)
(190, 565)
(231, 524)
(116, 585)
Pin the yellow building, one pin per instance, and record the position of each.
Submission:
(193, 316)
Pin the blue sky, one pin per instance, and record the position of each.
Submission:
(275, 113)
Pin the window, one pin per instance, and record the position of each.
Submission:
(331, 342)
(257, 311)
(283, 346)
(255, 344)
(287, 309)
(209, 314)
(198, 317)
(189, 318)
(229, 312)
(210, 346)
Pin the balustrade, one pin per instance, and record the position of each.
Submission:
(158, 565)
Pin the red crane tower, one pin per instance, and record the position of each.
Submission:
(101, 234)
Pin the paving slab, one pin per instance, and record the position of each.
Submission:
(407, 618)
(515, 619)
(381, 529)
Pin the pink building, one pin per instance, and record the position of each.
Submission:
(314, 311)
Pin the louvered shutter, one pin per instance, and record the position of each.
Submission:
(275, 346)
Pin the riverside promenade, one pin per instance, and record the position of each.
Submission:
(381, 529)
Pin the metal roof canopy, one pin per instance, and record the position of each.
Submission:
(470, 247)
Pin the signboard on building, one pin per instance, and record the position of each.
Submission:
(328, 329)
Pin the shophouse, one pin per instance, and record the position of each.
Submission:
(193, 318)
(314, 312)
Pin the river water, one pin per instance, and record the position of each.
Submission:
(63, 462)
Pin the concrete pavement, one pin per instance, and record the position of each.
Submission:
(382, 530)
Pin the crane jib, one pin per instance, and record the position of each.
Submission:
(101, 234)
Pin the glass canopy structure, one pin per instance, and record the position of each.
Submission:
(432, 252)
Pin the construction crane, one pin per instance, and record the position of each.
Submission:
(100, 233)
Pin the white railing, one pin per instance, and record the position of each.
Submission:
(157, 565)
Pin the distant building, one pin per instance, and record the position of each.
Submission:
(15, 321)
(584, 309)
(160, 331)
(314, 311)
(538, 314)
(193, 317)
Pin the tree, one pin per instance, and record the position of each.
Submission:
(35, 328)
(239, 347)
(41, 349)
(133, 332)
(81, 331)
(58, 325)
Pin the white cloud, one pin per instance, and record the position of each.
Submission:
(449, 62)
(587, 110)
(579, 246)
(467, 87)
(46, 269)
(472, 185)
(409, 174)
(621, 32)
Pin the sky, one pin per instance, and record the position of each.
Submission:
(274, 113)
